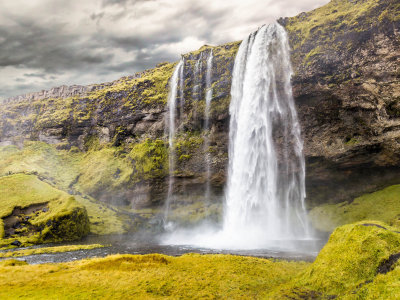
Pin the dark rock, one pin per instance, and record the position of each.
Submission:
(386, 266)
(16, 243)
(374, 225)
(17, 225)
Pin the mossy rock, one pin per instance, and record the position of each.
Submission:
(352, 259)
(34, 212)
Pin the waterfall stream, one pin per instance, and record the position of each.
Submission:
(171, 130)
(207, 129)
(266, 177)
(264, 197)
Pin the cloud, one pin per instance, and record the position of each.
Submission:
(49, 43)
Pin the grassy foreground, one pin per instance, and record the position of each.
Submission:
(191, 276)
(349, 267)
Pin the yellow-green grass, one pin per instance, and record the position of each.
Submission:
(59, 249)
(383, 287)
(59, 168)
(382, 206)
(25, 190)
(155, 276)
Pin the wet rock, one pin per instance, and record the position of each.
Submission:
(16, 243)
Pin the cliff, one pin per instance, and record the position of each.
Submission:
(346, 62)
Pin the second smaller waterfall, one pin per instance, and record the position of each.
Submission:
(207, 129)
(171, 127)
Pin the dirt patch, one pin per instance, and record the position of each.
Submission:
(17, 224)
(374, 225)
(387, 265)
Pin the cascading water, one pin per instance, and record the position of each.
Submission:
(209, 90)
(266, 179)
(197, 73)
(266, 175)
(209, 93)
(182, 83)
(171, 127)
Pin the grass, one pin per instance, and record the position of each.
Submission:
(61, 168)
(65, 220)
(382, 206)
(154, 276)
(346, 268)
(59, 249)
(349, 260)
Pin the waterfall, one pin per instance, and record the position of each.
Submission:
(209, 93)
(197, 82)
(265, 191)
(182, 84)
(171, 127)
(266, 176)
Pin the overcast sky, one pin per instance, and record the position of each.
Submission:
(46, 43)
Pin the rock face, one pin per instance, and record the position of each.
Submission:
(346, 62)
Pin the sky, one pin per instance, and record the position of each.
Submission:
(47, 43)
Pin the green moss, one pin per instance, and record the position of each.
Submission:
(59, 167)
(351, 257)
(186, 145)
(382, 206)
(105, 169)
(65, 220)
(383, 287)
(150, 160)
(184, 157)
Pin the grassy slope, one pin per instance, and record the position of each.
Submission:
(350, 259)
(154, 276)
(60, 169)
(24, 190)
(383, 206)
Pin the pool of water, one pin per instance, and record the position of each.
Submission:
(299, 250)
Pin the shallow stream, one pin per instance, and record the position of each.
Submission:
(299, 250)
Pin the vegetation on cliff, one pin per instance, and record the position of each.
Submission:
(337, 26)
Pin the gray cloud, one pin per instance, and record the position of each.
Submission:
(45, 43)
